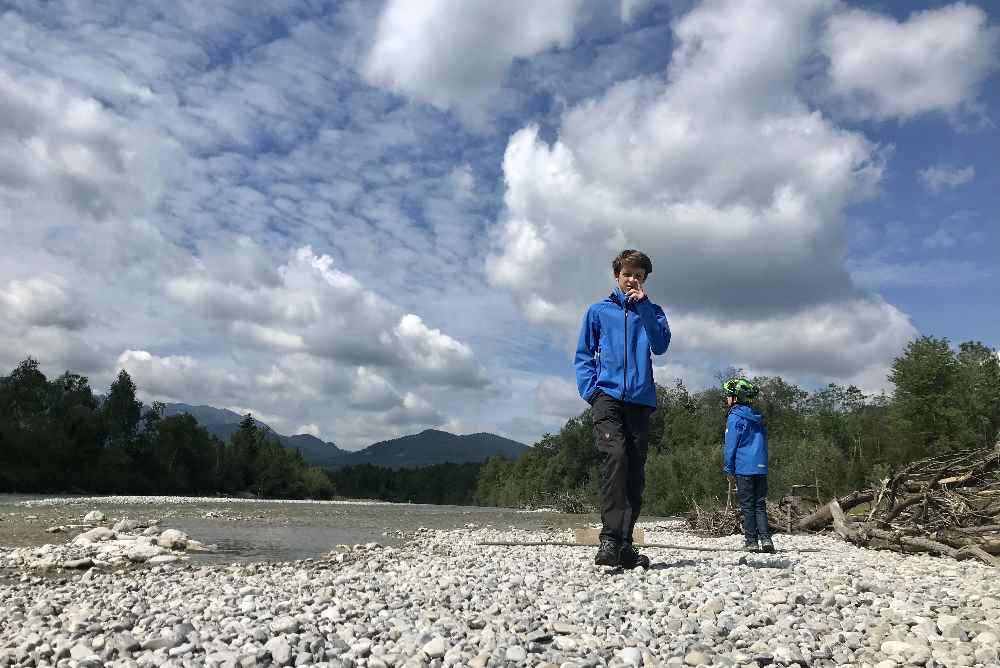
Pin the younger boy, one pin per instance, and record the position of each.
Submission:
(614, 373)
(745, 459)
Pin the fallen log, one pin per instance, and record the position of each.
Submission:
(822, 517)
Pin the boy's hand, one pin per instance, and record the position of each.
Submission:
(635, 294)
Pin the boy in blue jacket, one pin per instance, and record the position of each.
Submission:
(745, 459)
(614, 373)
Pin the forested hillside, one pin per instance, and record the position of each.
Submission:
(831, 440)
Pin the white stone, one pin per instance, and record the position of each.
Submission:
(986, 637)
(631, 656)
(435, 648)
(95, 535)
(284, 624)
(164, 559)
(281, 651)
(125, 525)
(140, 553)
(516, 653)
(774, 596)
(897, 648)
(944, 621)
(172, 539)
(93, 516)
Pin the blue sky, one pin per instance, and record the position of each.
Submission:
(363, 219)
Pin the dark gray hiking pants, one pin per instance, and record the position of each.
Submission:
(621, 432)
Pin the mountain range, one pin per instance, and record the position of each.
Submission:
(426, 448)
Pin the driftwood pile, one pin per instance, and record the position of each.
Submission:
(947, 505)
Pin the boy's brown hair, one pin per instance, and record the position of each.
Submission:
(632, 258)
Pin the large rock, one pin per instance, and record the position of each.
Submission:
(126, 525)
(93, 517)
(164, 559)
(173, 539)
(775, 596)
(95, 535)
(281, 651)
(141, 553)
(168, 641)
(284, 624)
(435, 648)
(631, 656)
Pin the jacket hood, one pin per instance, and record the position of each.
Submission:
(746, 412)
(617, 297)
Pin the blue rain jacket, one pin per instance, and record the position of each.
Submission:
(746, 442)
(613, 353)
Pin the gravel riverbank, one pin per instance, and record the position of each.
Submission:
(442, 599)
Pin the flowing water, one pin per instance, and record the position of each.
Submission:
(265, 530)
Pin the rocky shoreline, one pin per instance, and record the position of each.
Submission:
(445, 599)
(133, 500)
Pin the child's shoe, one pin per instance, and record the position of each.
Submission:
(750, 546)
(766, 545)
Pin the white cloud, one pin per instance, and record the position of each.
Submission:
(318, 309)
(74, 148)
(939, 177)
(310, 429)
(372, 392)
(43, 301)
(438, 358)
(558, 398)
(454, 53)
(180, 377)
(835, 340)
(747, 256)
(694, 377)
(936, 60)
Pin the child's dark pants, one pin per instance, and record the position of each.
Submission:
(621, 432)
(751, 490)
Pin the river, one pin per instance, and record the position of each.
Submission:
(260, 530)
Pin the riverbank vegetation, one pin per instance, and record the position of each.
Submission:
(58, 436)
(821, 443)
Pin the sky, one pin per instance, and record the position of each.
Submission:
(363, 219)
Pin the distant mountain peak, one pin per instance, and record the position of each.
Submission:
(426, 448)
(223, 423)
(433, 446)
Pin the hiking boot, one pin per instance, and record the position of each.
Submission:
(750, 546)
(630, 557)
(607, 553)
(766, 545)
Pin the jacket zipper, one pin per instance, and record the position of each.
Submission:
(625, 366)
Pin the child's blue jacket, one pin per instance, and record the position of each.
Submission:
(613, 353)
(746, 442)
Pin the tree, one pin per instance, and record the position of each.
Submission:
(122, 412)
(24, 395)
(182, 455)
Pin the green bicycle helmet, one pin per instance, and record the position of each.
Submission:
(741, 388)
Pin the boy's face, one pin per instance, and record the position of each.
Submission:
(630, 278)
